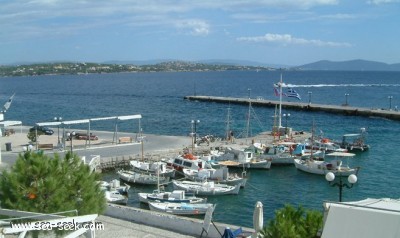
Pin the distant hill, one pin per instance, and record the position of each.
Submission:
(351, 65)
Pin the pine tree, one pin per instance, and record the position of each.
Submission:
(39, 183)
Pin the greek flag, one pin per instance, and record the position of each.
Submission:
(293, 94)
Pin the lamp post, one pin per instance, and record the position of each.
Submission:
(71, 135)
(58, 119)
(346, 102)
(390, 102)
(286, 117)
(249, 92)
(309, 97)
(194, 133)
(27, 148)
(352, 179)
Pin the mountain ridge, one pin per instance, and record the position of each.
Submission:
(350, 65)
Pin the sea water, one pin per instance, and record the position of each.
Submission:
(159, 98)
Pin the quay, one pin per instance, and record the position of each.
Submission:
(343, 109)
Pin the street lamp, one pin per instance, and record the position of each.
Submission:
(58, 119)
(249, 92)
(346, 95)
(352, 179)
(27, 148)
(309, 97)
(286, 127)
(194, 133)
(71, 135)
(390, 102)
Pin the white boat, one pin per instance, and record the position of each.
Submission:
(242, 159)
(180, 208)
(187, 161)
(153, 167)
(176, 196)
(305, 151)
(323, 167)
(327, 145)
(142, 178)
(280, 154)
(355, 142)
(220, 175)
(116, 197)
(114, 185)
(205, 188)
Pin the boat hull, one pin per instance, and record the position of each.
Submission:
(206, 188)
(320, 168)
(180, 208)
(166, 197)
(139, 178)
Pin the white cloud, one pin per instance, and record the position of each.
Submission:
(195, 27)
(379, 2)
(287, 39)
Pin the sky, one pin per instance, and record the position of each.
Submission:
(275, 32)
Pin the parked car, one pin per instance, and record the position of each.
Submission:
(84, 136)
(42, 130)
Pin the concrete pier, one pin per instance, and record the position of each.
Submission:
(343, 109)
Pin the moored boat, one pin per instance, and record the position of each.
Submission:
(187, 161)
(244, 158)
(323, 167)
(220, 175)
(142, 178)
(176, 196)
(180, 208)
(116, 197)
(153, 167)
(205, 188)
(355, 142)
(114, 185)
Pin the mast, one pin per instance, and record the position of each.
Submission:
(280, 102)
(248, 120)
(228, 123)
(274, 126)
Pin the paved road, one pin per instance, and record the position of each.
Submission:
(106, 146)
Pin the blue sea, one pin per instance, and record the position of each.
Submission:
(159, 98)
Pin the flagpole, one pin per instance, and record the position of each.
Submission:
(280, 103)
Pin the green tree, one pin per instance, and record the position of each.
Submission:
(290, 222)
(32, 135)
(39, 183)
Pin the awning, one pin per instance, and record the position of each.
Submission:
(10, 123)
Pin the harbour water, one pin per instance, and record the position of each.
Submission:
(159, 98)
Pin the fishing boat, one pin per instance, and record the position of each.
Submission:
(114, 185)
(219, 175)
(153, 167)
(243, 158)
(327, 145)
(180, 208)
(176, 196)
(142, 178)
(116, 197)
(280, 154)
(205, 188)
(323, 167)
(355, 142)
(187, 161)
